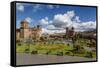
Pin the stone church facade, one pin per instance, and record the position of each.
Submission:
(70, 31)
(25, 32)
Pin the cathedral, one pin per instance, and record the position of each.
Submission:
(70, 32)
(25, 32)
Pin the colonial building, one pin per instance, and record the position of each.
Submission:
(70, 32)
(25, 32)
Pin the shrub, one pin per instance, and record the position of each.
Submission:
(59, 53)
(89, 55)
(48, 52)
(67, 53)
(70, 53)
(19, 44)
(27, 50)
(34, 52)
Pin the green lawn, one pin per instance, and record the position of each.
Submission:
(54, 49)
(43, 48)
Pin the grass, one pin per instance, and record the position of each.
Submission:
(53, 49)
(41, 48)
(82, 42)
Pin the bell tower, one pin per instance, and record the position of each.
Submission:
(25, 32)
(24, 24)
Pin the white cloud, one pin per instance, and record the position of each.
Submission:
(50, 27)
(46, 18)
(68, 19)
(50, 22)
(47, 31)
(50, 6)
(63, 20)
(70, 14)
(44, 21)
(57, 6)
(28, 19)
(20, 7)
(77, 19)
(84, 26)
(88, 25)
(36, 7)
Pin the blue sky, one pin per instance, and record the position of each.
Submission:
(55, 15)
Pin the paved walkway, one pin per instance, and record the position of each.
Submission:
(26, 59)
